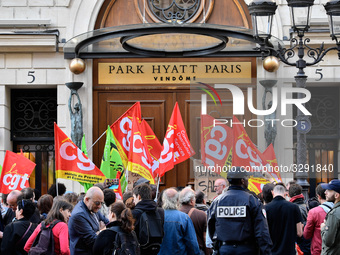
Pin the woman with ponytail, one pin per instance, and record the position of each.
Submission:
(119, 233)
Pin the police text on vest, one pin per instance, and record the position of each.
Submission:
(231, 211)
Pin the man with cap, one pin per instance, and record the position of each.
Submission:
(141, 181)
(330, 229)
(236, 220)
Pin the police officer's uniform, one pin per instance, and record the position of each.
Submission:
(237, 221)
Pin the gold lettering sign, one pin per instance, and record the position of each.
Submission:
(170, 73)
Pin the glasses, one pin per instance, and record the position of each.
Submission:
(216, 186)
(97, 203)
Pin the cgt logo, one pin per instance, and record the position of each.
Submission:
(238, 100)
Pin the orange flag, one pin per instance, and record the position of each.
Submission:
(71, 163)
(121, 129)
(216, 145)
(176, 144)
(154, 146)
(15, 172)
(272, 166)
(140, 161)
(256, 184)
(245, 153)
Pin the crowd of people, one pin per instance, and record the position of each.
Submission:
(180, 221)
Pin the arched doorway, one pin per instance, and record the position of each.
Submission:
(120, 89)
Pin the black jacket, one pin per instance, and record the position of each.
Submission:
(142, 206)
(105, 240)
(13, 233)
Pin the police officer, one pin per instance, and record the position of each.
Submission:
(236, 220)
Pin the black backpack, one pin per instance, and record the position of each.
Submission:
(125, 243)
(151, 231)
(44, 242)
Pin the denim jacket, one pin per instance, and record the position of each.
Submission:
(179, 234)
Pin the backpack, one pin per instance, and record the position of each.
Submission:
(125, 243)
(44, 242)
(151, 231)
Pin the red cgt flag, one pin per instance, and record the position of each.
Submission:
(71, 163)
(121, 129)
(272, 166)
(176, 144)
(216, 144)
(15, 172)
(139, 157)
(154, 146)
(245, 153)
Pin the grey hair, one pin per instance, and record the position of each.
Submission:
(186, 196)
(279, 189)
(170, 199)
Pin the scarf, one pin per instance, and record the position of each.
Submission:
(296, 197)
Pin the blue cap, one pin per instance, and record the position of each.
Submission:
(332, 185)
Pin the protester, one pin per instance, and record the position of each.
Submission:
(53, 190)
(120, 216)
(128, 200)
(199, 218)
(109, 199)
(154, 218)
(44, 205)
(179, 232)
(296, 197)
(86, 222)
(7, 214)
(200, 201)
(219, 186)
(316, 217)
(236, 220)
(16, 233)
(71, 197)
(61, 211)
(12, 199)
(330, 229)
(284, 221)
(140, 181)
(153, 191)
(28, 193)
(267, 193)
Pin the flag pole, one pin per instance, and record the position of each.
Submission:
(56, 186)
(96, 141)
(157, 188)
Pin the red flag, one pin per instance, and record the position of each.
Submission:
(121, 129)
(71, 163)
(140, 161)
(15, 172)
(154, 146)
(245, 153)
(216, 145)
(272, 166)
(176, 145)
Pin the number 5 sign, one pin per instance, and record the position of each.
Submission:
(303, 124)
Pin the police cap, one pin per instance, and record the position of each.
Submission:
(237, 172)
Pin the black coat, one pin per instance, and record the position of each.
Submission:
(105, 240)
(142, 206)
(12, 241)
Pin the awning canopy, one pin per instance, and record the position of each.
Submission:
(165, 40)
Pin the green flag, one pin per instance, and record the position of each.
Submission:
(0, 169)
(84, 150)
(112, 162)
